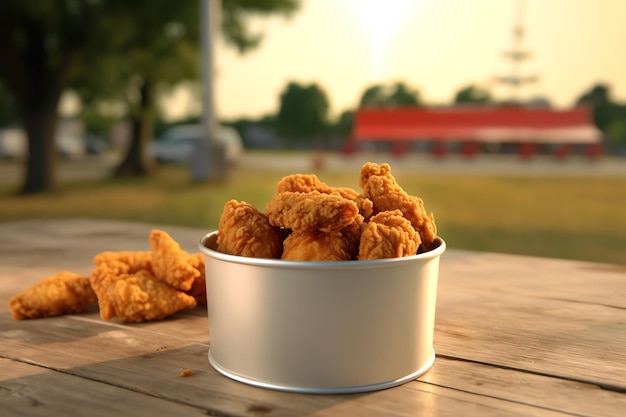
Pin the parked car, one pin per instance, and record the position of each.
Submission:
(95, 145)
(70, 146)
(178, 143)
(14, 144)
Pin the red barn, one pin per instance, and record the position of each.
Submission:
(471, 126)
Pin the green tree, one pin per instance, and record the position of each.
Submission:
(8, 113)
(160, 53)
(598, 98)
(42, 44)
(45, 44)
(344, 123)
(395, 95)
(235, 15)
(374, 96)
(608, 115)
(616, 131)
(472, 94)
(135, 62)
(303, 112)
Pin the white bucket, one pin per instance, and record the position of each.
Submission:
(321, 327)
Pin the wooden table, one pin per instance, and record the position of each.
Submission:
(514, 335)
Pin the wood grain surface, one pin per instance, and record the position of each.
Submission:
(514, 336)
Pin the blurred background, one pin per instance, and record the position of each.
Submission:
(508, 117)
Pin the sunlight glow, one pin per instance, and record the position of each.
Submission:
(381, 22)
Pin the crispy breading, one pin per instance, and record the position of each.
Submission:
(135, 260)
(310, 212)
(305, 183)
(111, 266)
(198, 288)
(62, 293)
(381, 187)
(244, 231)
(365, 205)
(143, 297)
(388, 235)
(317, 246)
(170, 263)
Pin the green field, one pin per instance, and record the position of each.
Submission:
(562, 217)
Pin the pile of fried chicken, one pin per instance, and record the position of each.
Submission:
(134, 286)
(307, 220)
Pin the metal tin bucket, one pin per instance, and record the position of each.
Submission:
(321, 327)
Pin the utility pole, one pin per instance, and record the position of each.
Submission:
(208, 161)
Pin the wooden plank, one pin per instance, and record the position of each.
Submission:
(72, 243)
(572, 397)
(534, 335)
(542, 278)
(139, 359)
(156, 375)
(27, 390)
(509, 311)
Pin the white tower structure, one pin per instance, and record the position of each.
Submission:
(517, 55)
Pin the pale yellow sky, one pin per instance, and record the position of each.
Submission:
(435, 46)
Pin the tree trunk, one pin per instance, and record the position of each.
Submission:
(37, 80)
(137, 161)
(40, 127)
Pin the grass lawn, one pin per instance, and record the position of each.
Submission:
(562, 217)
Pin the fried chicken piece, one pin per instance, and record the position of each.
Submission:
(62, 293)
(381, 187)
(388, 235)
(112, 266)
(135, 260)
(102, 277)
(324, 246)
(170, 263)
(143, 297)
(352, 235)
(365, 205)
(317, 246)
(305, 183)
(310, 212)
(244, 231)
(198, 288)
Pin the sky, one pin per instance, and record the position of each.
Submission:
(434, 46)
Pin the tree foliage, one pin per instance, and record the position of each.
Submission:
(472, 94)
(236, 12)
(42, 45)
(131, 66)
(159, 53)
(303, 111)
(395, 95)
(105, 49)
(8, 113)
(609, 116)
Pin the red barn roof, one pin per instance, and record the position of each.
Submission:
(482, 124)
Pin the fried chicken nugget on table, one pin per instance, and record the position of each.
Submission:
(111, 266)
(142, 297)
(170, 263)
(62, 293)
(135, 260)
(198, 288)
